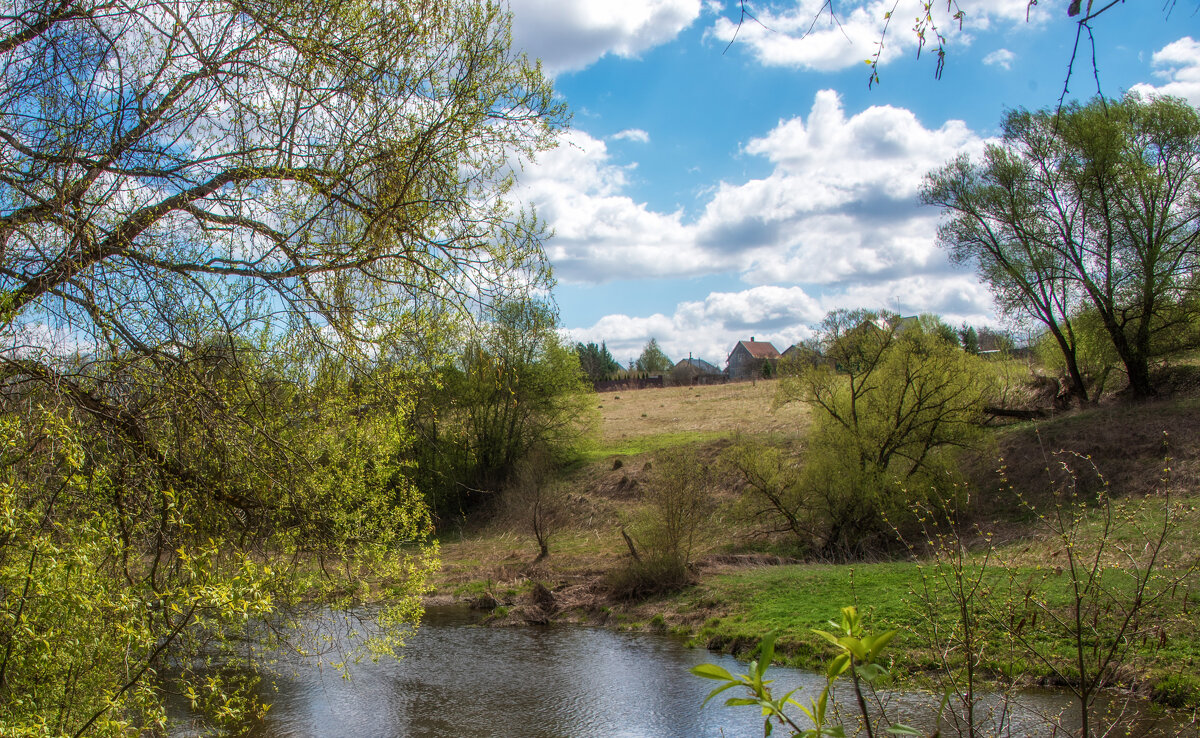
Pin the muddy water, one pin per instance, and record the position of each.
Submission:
(459, 679)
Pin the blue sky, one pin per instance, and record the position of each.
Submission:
(705, 195)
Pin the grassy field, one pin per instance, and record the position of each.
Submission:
(637, 421)
(1147, 452)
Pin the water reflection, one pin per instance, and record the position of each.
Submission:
(458, 679)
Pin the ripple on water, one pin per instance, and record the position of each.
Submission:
(458, 679)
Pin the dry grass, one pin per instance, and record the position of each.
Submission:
(707, 411)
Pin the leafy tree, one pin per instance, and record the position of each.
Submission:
(652, 359)
(933, 325)
(969, 338)
(596, 361)
(1094, 352)
(1091, 207)
(886, 411)
(217, 219)
(515, 390)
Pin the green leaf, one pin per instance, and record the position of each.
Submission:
(854, 646)
(870, 672)
(905, 730)
(718, 691)
(877, 643)
(766, 651)
(829, 637)
(711, 671)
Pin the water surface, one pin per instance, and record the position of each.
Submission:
(460, 679)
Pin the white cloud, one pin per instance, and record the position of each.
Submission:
(1179, 64)
(1002, 58)
(836, 222)
(632, 134)
(841, 203)
(708, 329)
(570, 35)
(807, 37)
(601, 234)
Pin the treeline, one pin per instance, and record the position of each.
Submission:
(508, 393)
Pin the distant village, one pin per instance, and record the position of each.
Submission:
(749, 360)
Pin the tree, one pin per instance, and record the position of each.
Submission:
(216, 217)
(535, 502)
(678, 508)
(969, 338)
(888, 405)
(596, 361)
(933, 325)
(514, 392)
(652, 359)
(1090, 208)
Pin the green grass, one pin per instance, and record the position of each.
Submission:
(647, 444)
(793, 600)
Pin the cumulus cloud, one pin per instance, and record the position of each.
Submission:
(707, 328)
(571, 35)
(1002, 58)
(841, 203)
(1179, 64)
(807, 37)
(632, 134)
(836, 222)
(601, 234)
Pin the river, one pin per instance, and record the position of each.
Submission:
(458, 679)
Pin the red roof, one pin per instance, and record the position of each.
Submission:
(759, 349)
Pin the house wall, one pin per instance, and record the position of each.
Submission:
(743, 365)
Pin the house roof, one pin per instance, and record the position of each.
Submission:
(699, 365)
(798, 350)
(759, 349)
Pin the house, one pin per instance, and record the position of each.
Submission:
(749, 359)
(695, 371)
(799, 355)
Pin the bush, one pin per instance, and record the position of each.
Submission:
(678, 506)
(889, 405)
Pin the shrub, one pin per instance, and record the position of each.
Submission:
(678, 504)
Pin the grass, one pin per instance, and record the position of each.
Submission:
(702, 412)
(793, 600)
(735, 604)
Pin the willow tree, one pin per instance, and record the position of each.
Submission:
(212, 213)
(1092, 208)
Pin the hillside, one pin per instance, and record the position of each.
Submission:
(748, 583)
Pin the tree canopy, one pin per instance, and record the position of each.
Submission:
(221, 224)
(597, 362)
(1091, 208)
(652, 359)
(889, 400)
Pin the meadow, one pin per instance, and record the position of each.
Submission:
(1145, 458)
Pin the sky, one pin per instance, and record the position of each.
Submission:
(711, 189)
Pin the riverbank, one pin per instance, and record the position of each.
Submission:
(746, 584)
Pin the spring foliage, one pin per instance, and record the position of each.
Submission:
(890, 399)
(222, 225)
